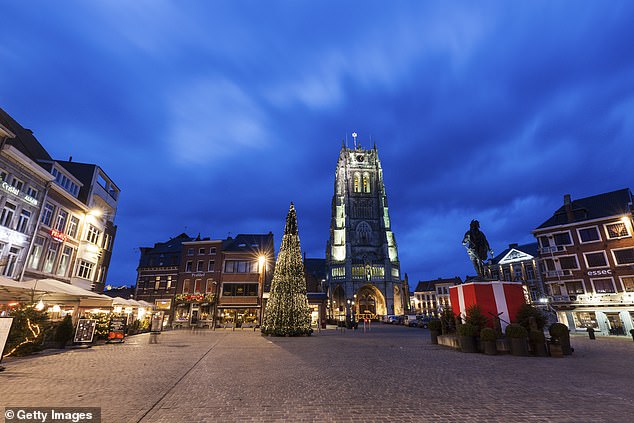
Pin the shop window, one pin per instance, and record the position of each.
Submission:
(585, 319)
(603, 286)
(616, 230)
(624, 256)
(589, 234)
(597, 259)
(628, 283)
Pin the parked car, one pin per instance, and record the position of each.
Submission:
(422, 322)
(390, 319)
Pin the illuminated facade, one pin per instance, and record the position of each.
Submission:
(518, 263)
(432, 297)
(586, 252)
(363, 269)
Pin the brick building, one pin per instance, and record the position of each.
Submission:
(518, 263)
(432, 297)
(587, 258)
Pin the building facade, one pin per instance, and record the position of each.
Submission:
(586, 255)
(518, 263)
(363, 270)
(157, 273)
(432, 297)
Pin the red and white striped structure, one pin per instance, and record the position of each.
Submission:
(493, 297)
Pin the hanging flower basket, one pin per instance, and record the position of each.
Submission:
(194, 298)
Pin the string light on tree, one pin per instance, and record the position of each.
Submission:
(287, 311)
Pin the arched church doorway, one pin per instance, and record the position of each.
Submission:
(370, 303)
(338, 304)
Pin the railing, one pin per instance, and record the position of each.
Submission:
(560, 299)
(552, 249)
(556, 273)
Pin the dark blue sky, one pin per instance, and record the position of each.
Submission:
(212, 116)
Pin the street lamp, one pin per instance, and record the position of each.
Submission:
(262, 279)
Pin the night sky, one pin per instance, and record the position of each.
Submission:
(212, 116)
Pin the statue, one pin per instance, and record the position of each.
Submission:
(477, 247)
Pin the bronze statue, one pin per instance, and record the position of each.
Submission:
(477, 247)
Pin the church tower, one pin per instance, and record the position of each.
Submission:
(364, 275)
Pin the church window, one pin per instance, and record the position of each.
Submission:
(364, 231)
(366, 183)
(357, 181)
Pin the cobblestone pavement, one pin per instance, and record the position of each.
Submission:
(389, 374)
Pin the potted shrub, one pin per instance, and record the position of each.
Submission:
(476, 317)
(435, 327)
(64, 332)
(561, 335)
(466, 335)
(538, 343)
(518, 336)
(488, 338)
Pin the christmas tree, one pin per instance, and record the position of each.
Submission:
(287, 311)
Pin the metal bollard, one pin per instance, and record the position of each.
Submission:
(591, 333)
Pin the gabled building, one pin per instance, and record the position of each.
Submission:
(432, 297)
(518, 263)
(586, 254)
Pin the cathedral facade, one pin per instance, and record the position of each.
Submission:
(363, 269)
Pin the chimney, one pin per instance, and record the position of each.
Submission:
(568, 208)
(70, 159)
(514, 245)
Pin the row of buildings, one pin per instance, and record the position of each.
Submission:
(208, 283)
(56, 216)
(581, 267)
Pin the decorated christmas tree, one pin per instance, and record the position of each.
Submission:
(287, 312)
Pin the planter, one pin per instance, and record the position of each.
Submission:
(434, 336)
(519, 347)
(565, 345)
(555, 350)
(468, 344)
(489, 347)
(539, 349)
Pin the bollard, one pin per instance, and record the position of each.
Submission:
(591, 333)
(632, 333)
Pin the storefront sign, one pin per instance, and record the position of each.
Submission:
(198, 275)
(116, 331)
(599, 272)
(5, 326)
(85, 331)
(59, 236)
(10, 188)
(30, 200)
(13, 190)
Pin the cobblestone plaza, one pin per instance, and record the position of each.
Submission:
(392, 374)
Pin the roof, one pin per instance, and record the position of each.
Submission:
(24, 139)
(594, 207)
(431, 285)
(172, 246)
(248, 243)
(531, 249)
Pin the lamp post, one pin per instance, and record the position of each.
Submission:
(262, 279)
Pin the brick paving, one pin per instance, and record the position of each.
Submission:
(389, 374)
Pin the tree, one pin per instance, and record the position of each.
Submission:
(27, 331)
(287, 312)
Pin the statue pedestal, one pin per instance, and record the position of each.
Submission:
(494, 297)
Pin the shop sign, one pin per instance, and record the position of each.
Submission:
(599, 272)
(198, 275)
(117, 328)
(10, 188)
(5, 326)
(58, 235)
(85, 331)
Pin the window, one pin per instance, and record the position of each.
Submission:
(71, 231)
(84, 270)
(200, 266)
(241, 266)
(597, 259)
(517, 272)
(7, 214)
(603, 286)
(190, 251)
(3, 176)
(187, 286)
(544, 242)
(589, 234)
(366, 183)
(93, 234)
(107, 241)
(530, 272)
(211, 266)
(616, 230)
(157, 283)
(60, 222)
(31, 192)
(51, 254)
(212, 250)
(568, 262)
(628, 283)
(575, 288)
(188, 266)
(23, 222)
(562, 238)
(357, 188)
(47, 214)
(198, 285)
(338, 272)
(623, 256)
(169, 282)
(240, 289)
(15, 182)
(201, 251)
(12, 259)
(210, 285)
(64, 260)
(36, 253)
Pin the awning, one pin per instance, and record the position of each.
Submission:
(50, 291)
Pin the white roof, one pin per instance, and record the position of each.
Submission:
(49, 290)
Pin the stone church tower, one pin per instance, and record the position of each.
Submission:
(364, 275)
